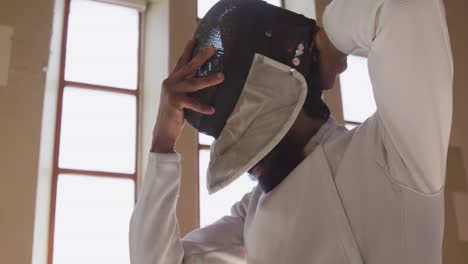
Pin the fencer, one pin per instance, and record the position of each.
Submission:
(325, 194)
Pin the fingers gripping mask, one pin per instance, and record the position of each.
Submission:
(270, 65)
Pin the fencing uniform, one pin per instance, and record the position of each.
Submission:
(370, 195)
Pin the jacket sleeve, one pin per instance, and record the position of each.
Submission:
(154, 234)
(411, 71)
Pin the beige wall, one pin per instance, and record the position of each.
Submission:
(456, 195)
(182, 24)
(21, 106)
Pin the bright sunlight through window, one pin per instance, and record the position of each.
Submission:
(95, 174)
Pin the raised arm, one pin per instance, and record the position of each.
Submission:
(154, 232)
(411, 70)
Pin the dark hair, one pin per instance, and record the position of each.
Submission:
(277, 164)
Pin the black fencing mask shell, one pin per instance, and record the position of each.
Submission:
(270, 64)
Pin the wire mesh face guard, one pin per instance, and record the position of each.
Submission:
(239, 29)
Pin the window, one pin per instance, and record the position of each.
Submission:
(214, 207)
(356, 92)
(94, 179)
(205, 5)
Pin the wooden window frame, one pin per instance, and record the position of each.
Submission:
(56, 170)
(353, 123)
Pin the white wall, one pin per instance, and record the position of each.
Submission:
(306, 8)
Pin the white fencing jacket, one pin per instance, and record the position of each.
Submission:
(370, 195)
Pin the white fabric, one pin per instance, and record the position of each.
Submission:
(371, 195)
(272, 97)
(411, 71)
(140, 5)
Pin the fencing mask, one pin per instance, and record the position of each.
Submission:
(271, 70)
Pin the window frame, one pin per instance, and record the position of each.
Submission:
(200, 147)
(56, 170)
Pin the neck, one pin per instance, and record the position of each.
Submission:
(287, 155)
(304, 128)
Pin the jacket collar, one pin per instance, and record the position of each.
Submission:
(321, 136)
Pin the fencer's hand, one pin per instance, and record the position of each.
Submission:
(174, 97)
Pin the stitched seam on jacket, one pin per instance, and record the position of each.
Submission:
(382, 132)
(213, 250)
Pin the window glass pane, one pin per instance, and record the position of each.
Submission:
(274, 2)
(350, 126)
(356, 91)
(91, 220)
(102, 45)
(213, 207)
(98, 131)
(205, 5)
(204, 139)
